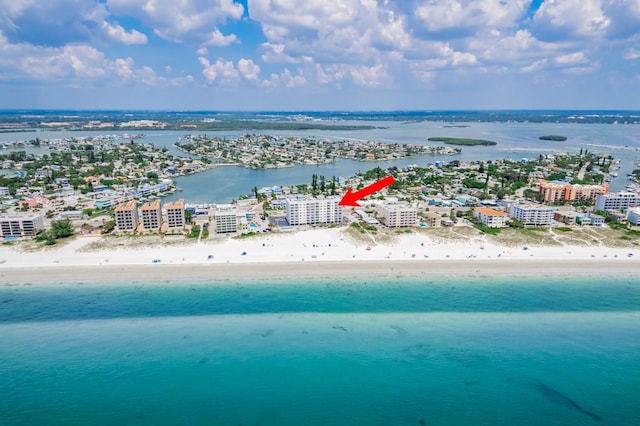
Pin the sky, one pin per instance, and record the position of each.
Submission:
(305, 55)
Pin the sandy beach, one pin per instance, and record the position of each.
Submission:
(311, 253)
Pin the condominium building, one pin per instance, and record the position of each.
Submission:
(151, 215)
(21, 225)
(532, 214)
(127, 216)
(562, 192)
(398, 215)
(490, 217)
(618, 201)
(305, 211)
(226, 220)
(175, 214)
(432, 219)
(633, 215)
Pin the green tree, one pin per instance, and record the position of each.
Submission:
(61, 228)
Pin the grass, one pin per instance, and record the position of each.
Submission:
(486, 229)
(563, 229)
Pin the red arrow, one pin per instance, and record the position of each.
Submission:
(351, 198)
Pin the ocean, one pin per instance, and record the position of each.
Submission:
(435, 351)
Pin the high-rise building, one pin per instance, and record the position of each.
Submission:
(175, 214)
(151, 215)
(127, 216)
(309, 211)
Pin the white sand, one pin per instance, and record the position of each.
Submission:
(318, 252)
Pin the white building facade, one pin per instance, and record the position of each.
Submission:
(618, 201)
(309, 211)
(532, 215)
(398, 215)
(21, 225)
(490, 217)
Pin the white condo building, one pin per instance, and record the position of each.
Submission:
(618, 201)
(21, 225)
(532, 215)
(490, 217)
(398, 215)
(308, 211)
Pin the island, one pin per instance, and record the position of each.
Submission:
(461, 141)
(553, 138)
(260, 151)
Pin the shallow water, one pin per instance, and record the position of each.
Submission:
(454, 351)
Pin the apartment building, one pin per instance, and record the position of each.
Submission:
(226, 220)
(175, 214)
(561, 192)
(398, 215)
(127, 216)
(21, 225)
(633, 215)
(151, 215)
(490, 217)
(433, 219)
(306, 211)
(532, 215)
(618, 201)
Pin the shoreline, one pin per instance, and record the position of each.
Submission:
(393, 269)
(319, 253)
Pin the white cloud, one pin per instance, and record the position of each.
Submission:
(469, 16)
(116, 32)
(74, 65)
(221, 70)
(286, 79)
(59, 22)
(216, 38)
(370, 76)
(566, 19)
(571, 59)
(248, 69)
(631, 54)
(185, 20)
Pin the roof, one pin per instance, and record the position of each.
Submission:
(129, 205)
(489, 212)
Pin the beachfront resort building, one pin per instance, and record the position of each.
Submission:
(127, 216)
(618, 201)
(151, 215)
(21, 225)
(490, 217)
(398, 215)
(561, 192)
(307, 211)
(532, 215)
(175, 214)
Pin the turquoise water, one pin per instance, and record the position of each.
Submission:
(474, 351)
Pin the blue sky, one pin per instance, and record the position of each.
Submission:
(320, 54)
